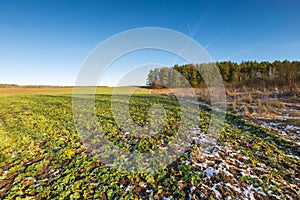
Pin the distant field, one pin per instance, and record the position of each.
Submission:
(60, 90)
(22, 91)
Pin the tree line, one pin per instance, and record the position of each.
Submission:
(279, 72)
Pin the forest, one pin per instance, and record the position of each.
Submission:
(252, 73)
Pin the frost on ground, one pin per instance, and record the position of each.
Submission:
(228, 174)
(223, 172)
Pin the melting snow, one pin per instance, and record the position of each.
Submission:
(209, 172)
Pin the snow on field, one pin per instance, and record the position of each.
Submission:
(223, 168)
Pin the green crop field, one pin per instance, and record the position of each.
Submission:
(43, 157)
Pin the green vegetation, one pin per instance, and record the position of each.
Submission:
(43, 157)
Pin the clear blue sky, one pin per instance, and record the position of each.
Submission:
(46, 41)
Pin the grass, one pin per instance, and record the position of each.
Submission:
(43, 157)
(60, 90)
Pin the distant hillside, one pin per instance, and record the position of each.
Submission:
(8, 86)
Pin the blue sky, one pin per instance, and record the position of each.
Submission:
(46, 41)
